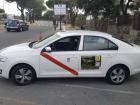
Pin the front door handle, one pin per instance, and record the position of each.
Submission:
(68, 59)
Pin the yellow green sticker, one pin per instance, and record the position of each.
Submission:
(97, 58)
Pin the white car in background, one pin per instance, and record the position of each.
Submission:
(71, 54)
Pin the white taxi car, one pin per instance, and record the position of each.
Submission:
(71, 54)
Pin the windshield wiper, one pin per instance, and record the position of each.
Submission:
(31, 44)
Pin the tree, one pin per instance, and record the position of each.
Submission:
(38, 8)
(125, 5)
(35, 8)
(48, 15)
(20, 6)
(73, 9)
(2, 11)
(32, 6)
(96, 8)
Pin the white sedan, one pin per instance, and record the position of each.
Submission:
(71, 54)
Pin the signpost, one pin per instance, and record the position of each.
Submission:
(60, 9)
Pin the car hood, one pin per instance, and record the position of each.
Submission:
(16, 49)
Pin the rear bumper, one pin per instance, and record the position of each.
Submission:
(13, 28)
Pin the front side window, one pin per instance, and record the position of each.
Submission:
(92, 43)
(66, 44)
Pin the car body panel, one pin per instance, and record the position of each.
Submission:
(126, 54)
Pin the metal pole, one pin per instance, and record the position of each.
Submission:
(60, 23)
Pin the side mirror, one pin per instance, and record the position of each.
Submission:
(48, 49)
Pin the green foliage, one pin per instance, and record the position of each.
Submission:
(2, 11)
(95, 7)
(50, 3)
(34, 7)
(48, 15)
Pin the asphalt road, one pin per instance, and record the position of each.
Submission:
(11, 38)
(64, 91)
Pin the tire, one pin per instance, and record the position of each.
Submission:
(20, 29)
(117, 75)
(23, 75)
(8, 30)
(27, 29)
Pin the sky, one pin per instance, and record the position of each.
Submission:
(10, 8)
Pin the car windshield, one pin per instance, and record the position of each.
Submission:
(45, 40)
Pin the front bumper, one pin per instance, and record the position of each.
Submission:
(3, 70)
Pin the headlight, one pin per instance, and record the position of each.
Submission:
(3, 59)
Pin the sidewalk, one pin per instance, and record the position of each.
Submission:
(66, 27)
(1, 28)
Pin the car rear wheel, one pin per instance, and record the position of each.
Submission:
(28, 29)
(117, 75)
(20, 29)
(22, 75)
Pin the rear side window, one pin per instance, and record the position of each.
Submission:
(92, 43)
(13, 22)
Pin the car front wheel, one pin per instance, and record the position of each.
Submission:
(117, 75)
(8, 30)
(22, 75)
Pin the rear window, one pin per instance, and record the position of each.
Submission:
(13, 22)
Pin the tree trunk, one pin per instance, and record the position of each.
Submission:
(73, 19)
(96, 22)
(21, 9)
(22, 14)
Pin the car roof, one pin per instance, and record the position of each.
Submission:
(83, 32)
(15, 20)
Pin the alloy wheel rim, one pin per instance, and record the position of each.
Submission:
(23, 75)
(118, 75)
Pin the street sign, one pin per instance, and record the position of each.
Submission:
(60, 9)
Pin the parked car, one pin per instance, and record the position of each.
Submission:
(71, 54)
(17, 25)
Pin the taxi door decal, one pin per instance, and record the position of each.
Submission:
(58, 63)
(90, 62)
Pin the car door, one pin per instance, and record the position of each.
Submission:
(63, 58)
(23, 25)
(97, 55)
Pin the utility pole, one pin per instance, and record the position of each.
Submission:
(60, 22)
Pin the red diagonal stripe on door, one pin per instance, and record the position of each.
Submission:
(65, 67)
